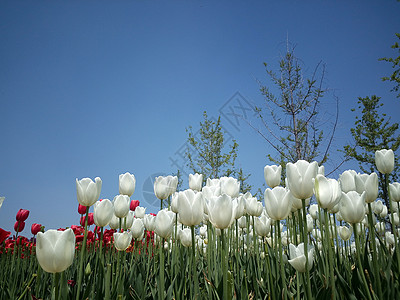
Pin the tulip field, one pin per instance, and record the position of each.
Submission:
(311, 237)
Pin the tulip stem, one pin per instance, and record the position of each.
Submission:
(80, 271)
(27, 287)
(161, 291)
(57, 285)
(224, 267)
(374, 249)
(330, 254)
(194, 268)
(360, 267)
(305, 241)
(283, 275)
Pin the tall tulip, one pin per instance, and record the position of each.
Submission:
(190, 207)
(272, 175)
(55, 250)
(230, 186)
(327, 192)
(352, 207)
(88, 191)
(195, 181)
(127, 184)
(384, 160)
(278, 203)
(22, 215)
(300, 178)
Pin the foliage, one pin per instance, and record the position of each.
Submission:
(395, 76)
(373, 131)
(210, 155)
(290, 119)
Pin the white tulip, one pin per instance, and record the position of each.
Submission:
(55, 250)
(384, 161)
(272, 175)
(300, 178)
(88, 191)
(127, 184)
(122, 240)
(195, 181)
(103, 212)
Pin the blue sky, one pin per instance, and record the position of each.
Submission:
(98, 88)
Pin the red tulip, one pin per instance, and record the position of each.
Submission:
(36, 228)
(3, 235)
(134, 204)
(19, 226)
(82, 209)
(90, 220)
(22, 215)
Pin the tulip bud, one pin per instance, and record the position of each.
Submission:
(272, 175)
(278, 203)
(121, 205)
(82, 209)
(347, 181)
(19, 226)
(185, 236)
(140, 212)
(127, 183)
(103, 211)
(384, 161)
(134, 204)
(22, 215)
(88, 270)
(298, 258)
(90, 220)
(195, 181)
(230, 186)
(300, 175)
(394, 189)
(36, 228)
(88, 191)
(122, 240)
(137, 228)
(327, 191)
(352, 207)
(190, 207)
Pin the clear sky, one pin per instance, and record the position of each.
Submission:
(98, 88)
